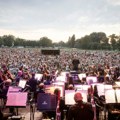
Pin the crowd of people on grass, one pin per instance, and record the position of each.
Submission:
(17, 64)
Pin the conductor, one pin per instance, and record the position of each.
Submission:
(80, 110)
(75, 63)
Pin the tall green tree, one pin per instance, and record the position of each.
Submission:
(45, 42)
(8, 40)
(85, 42)
(71, 41)
(19, 42)
(113, 41)
(118, 43)
(1, 41)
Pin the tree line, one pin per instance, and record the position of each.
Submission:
(94, 41)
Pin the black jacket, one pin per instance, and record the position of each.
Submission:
(81, 111)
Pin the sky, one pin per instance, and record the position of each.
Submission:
(58, 19)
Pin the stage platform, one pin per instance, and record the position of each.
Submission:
(25, 113)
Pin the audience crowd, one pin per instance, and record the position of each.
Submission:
(25, 63)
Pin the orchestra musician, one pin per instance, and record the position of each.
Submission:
(80, 110)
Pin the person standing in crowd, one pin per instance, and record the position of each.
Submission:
(80, 110)
(75, 63)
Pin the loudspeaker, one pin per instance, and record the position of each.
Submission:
(50, 52)
(46, 102)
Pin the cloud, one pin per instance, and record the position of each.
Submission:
(114, 2)
(62, 34)
(58, 19)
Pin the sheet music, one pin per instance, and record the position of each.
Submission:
(38, 77)
(69, 97)
(110, 96)
(85, 87)
(22, 83)
(17, 99)
(81, 76)
(118, 83)
(100, 87)
(13, 89)
(64, 73)
(78, 87)
(91, 80)
(81, 87)
(61, 78)
(108, 87)
(50, 89)
(58, 83)
(118, 95)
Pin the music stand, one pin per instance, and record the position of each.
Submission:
(61, 78)
(13, 89)
(51, 88)
(58, 83)
(38, 77)
(81, 76)
(22, 83)
(82, 87)
(16, 100)
(102, 88)
(91, 79)
(46, 102)
(118, 95)
(117, 83)
(69, 96)
(112, 96)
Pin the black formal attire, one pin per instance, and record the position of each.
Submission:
(63, 107)
(75, 63)
(81, 111)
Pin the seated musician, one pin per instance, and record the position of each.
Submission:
(5, 91)
(46, 75)
(6, 74)
(99, 101)
(6, 87)
(18, 76)
(32, 82)
(40, 89)
(80, 110)
(62, 108)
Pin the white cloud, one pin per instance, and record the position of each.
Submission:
(114, 2)
(63, 34)
(58, 19)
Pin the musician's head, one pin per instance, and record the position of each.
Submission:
(19, 73)
(4, 67)
(41, 86)
(70, 87)
(78, 97)
(8, 82)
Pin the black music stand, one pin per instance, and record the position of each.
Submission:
(112, 96)
(46, 102)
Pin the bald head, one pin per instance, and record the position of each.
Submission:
(78, 96)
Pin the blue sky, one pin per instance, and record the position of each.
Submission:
(58, 19)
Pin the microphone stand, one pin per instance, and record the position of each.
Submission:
(32, 108)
